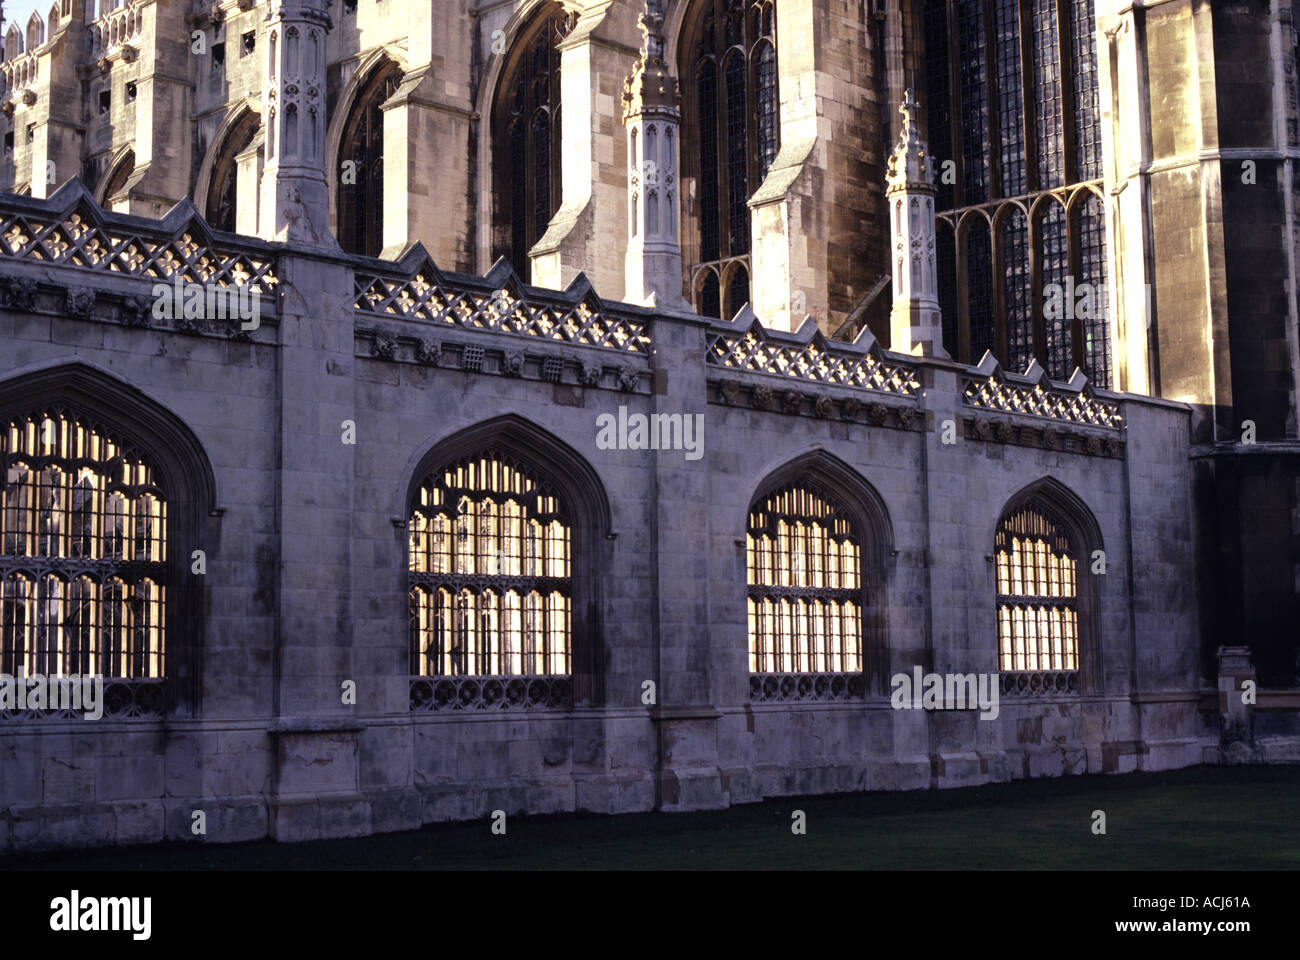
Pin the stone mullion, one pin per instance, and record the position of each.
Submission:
(1065, 61)
(1074, 261)
(997, 251)
(1033, 229)
(960, 245)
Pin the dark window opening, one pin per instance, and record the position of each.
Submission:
(222, 189)
(361, 163)
(526, 136)
(730, 139)
(1013, 113)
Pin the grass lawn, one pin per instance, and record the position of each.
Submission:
(1205, 818)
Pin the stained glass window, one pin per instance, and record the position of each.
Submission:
(731, 137)
(527, 139)
(1024, 96)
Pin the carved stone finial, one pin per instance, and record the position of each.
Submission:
(651, 23)
(650, 87)
(914, 319)
(909, 163)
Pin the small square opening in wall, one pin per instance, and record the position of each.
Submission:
(105, 102)
(349, 6)
(130, 92)
(552, 369)
(218, 55)
(471, 358)
(249, 42)
(31, 132)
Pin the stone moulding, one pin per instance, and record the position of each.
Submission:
(819, 404)
(1043, 436)
(414, 288)
(496, 359)
(1040, 684)
(123, 699)
(786, 687)
(491, 693)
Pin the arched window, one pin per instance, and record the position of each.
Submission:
(491, 586)
(115, 179)
(526, 166)
(803, 562)
(1013, 105)
(731, 133)
(223, 186)
(360, 209)
(99, 518)
(84, 576)
(35, 31)
(13, 41)
(1045, 598)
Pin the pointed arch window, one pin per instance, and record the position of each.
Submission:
(526, 159)
(223, 192)
(491, 587)
(731, 135)
(1013, 104)
(803, 567)
(84, 574)
(116, 178)
(1043, 601)
(360, 212)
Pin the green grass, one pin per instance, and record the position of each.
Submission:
(1205, 818)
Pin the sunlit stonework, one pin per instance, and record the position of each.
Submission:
(985, 309)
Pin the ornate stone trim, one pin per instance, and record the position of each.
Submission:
(491, 693)
(1042, 436)
(817, 361)
(142, 699)
(1040, 684)
(424, 294)
(786, 687)
(735, 393)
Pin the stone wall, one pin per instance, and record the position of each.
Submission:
(305, 542)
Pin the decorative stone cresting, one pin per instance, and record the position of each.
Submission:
(424, 294)
(808, 355)
(989, 388)
(83, 237)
